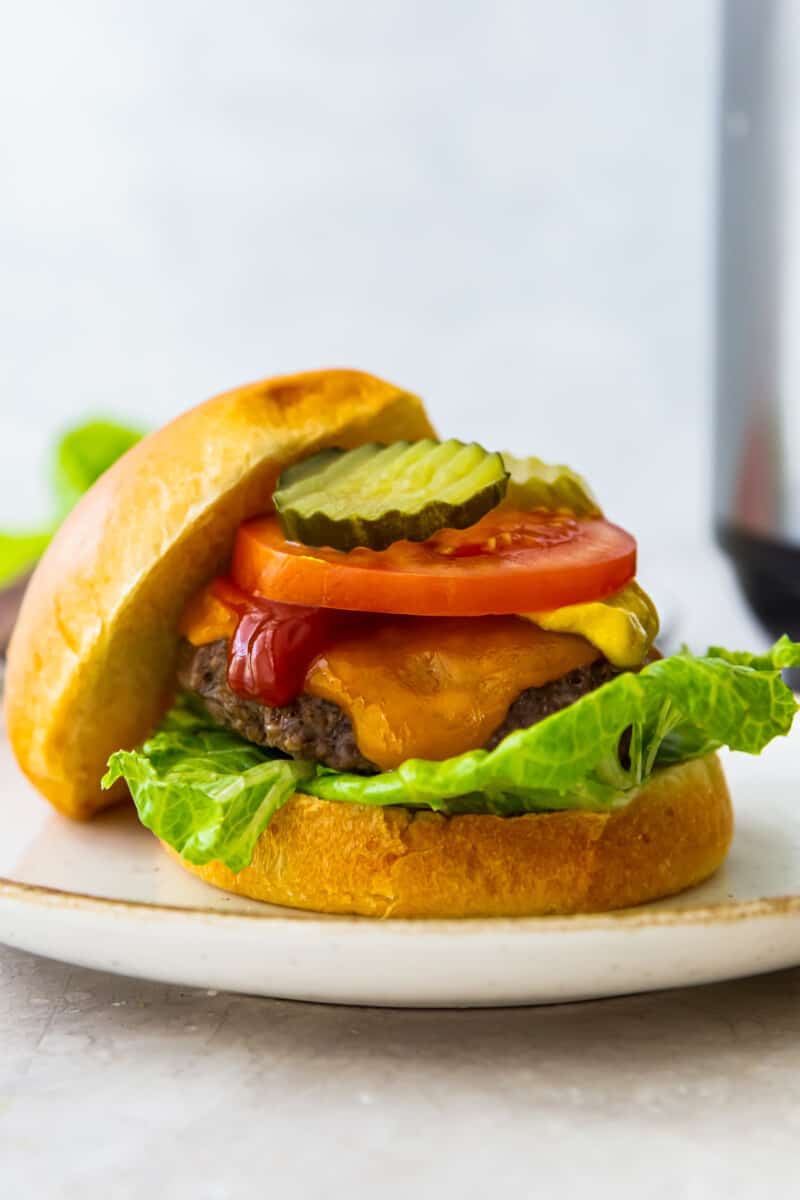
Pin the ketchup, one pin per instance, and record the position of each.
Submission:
(274, 644)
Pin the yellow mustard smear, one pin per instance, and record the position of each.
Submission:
(623, 627)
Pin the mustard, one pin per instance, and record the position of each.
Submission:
(622, 627)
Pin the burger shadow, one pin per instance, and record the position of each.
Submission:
(655, 1030)
(662, 1035)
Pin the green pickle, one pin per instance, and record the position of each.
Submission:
(536, 484)
(376, 495)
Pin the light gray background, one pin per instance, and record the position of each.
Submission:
(505, 206)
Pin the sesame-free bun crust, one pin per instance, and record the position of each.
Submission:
(390, 862)
(91, 664)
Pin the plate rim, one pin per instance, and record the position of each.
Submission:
(640, 917)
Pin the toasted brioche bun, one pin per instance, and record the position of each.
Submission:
(91, 664)
(348, 858)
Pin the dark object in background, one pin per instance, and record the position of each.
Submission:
(10, 600)
(757, 415)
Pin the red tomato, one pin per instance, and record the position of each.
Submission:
(509, 562)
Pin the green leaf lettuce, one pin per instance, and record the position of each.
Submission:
(84, 454)
(206, 792)
(210, 794)
(81, 457)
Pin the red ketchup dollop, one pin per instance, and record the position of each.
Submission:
(274, 644)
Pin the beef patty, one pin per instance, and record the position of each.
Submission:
(307, 728)
(319, 730)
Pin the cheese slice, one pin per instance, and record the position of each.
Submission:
(623, 627)
(206, 619)
(434, 687)
(419, 687)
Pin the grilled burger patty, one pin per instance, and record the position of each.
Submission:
(319, 730)
(307, 728)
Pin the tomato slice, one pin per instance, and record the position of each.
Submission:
(509, 562)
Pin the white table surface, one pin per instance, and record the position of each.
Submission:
(114, 1088)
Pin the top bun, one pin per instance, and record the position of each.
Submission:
(91, 664)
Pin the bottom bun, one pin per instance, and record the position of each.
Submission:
(391, 862)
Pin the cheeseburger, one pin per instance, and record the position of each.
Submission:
(340, 664)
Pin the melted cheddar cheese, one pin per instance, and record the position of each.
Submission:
(206, 619)
(433, 687)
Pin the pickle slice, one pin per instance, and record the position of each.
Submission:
(536, 484)
(376, 495)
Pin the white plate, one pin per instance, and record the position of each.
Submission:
(104, 895)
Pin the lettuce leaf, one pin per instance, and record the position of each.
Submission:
(209, 793)
(81, 457)
(205, 791)
(84, 454)
(677, 708)
(19, 551)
